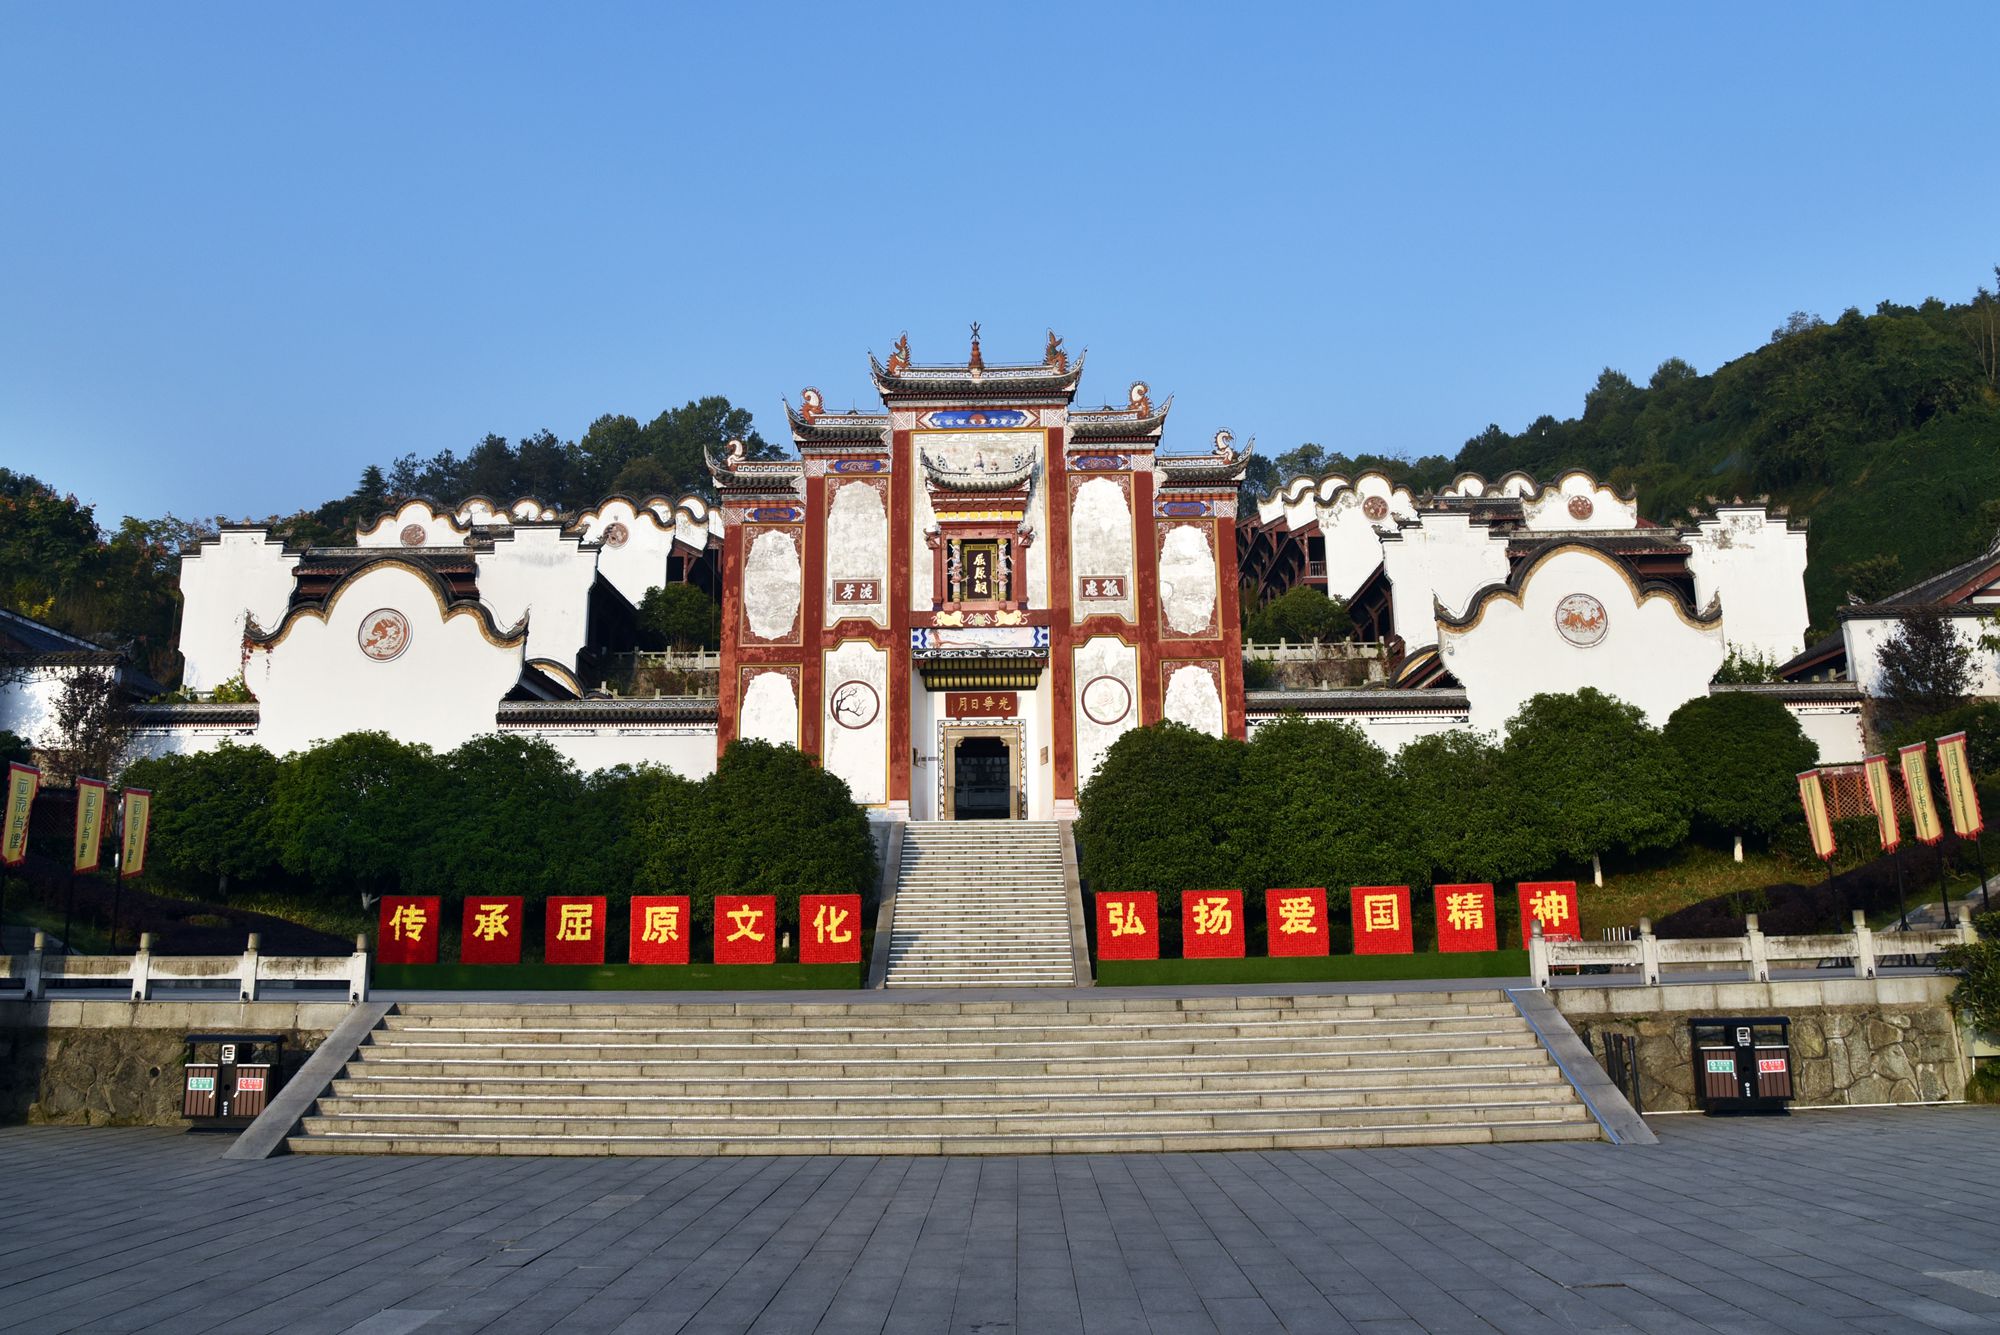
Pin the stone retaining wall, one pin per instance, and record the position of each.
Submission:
(118, 1063)
(1854, 1040)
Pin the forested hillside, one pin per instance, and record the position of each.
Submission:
(1883, 430)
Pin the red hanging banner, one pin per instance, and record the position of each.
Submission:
(1381, 918)
(22, 781)
(1128, 925)
(409, 929)
(1819, 825)
(573, 930)
(661, 926)
(1296, 923)
(1468, 917)
(1960, 793)
(829, 929)
(746, 929)
(491, 932)
(1212, 924)
(1882, 797)
(1554, 905)
(90, 795)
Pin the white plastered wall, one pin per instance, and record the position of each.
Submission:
(1391, 730)
(1446, 558)
(635, 558)
(1834, 728)
(442, 689)
(541, 573)
(1105, 679)
(1650, 655)
(429, 528)
(1756, 565)
(1548, 509)
(688, 749)
(854, 719)
(239, 573)
(1865, 637)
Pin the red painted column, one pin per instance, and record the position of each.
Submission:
(899, 704)
(1146, 568)
(1062, 635)
(812, 628)
(732, 620)
(1227, 582)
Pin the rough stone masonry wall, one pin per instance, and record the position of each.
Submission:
(1854, 1040)
(117, 1063)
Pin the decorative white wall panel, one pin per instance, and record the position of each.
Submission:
(770, 711)
(772, 580)
(857, 552)
(1192, 698)
(1106, 681)
(1100, 535)
(1187, 579)
(855, 729)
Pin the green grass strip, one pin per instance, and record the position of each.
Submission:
(1315, 969)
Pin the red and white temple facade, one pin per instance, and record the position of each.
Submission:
(962, 600)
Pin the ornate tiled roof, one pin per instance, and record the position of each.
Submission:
(1108, 423)
(849, 428)
(973, 381)
(196, 712)
(736, 475)
(611, 709)
(1223, 468)
(1004, 478)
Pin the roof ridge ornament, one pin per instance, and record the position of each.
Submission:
(899, 355)
(977, 363)
(1053, 354)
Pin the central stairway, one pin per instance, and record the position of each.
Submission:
(981, 903)
(1079, 1072)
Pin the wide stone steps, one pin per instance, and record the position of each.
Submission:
(981, 903)
(1076, 1072)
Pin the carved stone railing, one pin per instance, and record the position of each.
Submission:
(35, 972)
(1750, 956)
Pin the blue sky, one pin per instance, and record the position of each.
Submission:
(246, 250)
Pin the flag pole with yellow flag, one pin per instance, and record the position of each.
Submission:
(1924, 820)
(1819, 825)
(1962, 796)
(87, 848)
(1882, 796)
(22, 781)
(135, 819)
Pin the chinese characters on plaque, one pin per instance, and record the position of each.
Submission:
(856, 591)
(981, 704)
(660, 929)
(491, 933)
(1100, 586)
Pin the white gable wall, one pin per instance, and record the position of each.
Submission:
(1446, 557)
(1756, 565)
(539, 572)
(240, 573)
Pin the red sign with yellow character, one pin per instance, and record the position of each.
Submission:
(409, 929)
(1381, 916)
(1553, 904)
(746, 929)
(1212, 924)
(1128, 925)
(491, 933)
(829, 929)
(661, 926)
(1468, 917)
(573, 930)
(1296, 922)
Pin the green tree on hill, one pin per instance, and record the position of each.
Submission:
(1596, 777)
(1742, 754)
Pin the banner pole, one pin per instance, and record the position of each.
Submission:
(1902, 901)
(69, 900)
(1979, 855)
(1944, 890)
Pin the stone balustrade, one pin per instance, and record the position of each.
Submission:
(35, 972)
(1754, 954)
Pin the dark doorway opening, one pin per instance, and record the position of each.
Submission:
(982, 782)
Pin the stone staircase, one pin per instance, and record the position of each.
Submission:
(981, 904)
(1072, 1072)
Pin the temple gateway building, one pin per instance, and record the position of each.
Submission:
(960, 601)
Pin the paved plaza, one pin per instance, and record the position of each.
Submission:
(1821, 1222)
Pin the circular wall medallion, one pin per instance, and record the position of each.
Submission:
(615, 535)
(1106, 700)
(1582, 620)
(1581, 507)
(384, 634)
(412, 535)
(1375, 508)
(854, 704)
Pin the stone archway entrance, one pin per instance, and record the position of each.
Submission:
(982, 778)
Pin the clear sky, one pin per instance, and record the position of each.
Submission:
(246, 250)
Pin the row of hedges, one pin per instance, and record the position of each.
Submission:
(504, 815)
(1317, 803)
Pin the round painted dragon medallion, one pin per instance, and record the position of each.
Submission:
(412, 535)
(1375, 508)
(1582, 620)
(384, 634)
(1581, 507)
(615, 535)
